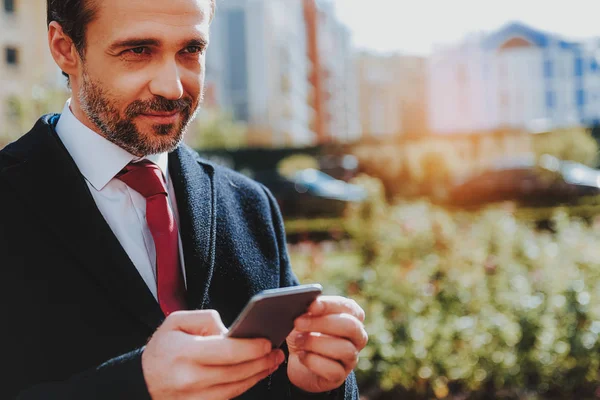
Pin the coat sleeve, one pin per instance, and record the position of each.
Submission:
(349, 390)
(119, 378)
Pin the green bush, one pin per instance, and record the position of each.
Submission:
(479, 303)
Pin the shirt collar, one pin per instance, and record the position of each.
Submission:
(98, 159)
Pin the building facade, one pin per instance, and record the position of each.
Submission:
(28, 74)
(257, 69)
(393, 95)
(339, 81)
(317, 95)
(517, 78)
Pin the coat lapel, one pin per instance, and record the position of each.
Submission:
(49, 181)
(196, 199)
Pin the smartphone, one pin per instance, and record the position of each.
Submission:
(270, 314)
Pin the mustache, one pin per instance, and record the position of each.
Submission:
(157, 104)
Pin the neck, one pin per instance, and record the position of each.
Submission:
(75, 107)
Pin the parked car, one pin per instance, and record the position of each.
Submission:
(548, 182)
(310, 193)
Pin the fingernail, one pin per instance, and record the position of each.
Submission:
(300, 340)
(317, 308)
(280, 357)
(268, 347)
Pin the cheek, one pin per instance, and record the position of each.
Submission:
(192, 78)
(119, 87)
(120, 82)
(123, 90)
(129, 85)
(193, 84)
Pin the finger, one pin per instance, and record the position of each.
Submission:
(218, 350)
(324, 305)
(337, 349)
(231, 390)
(199, 322)
(338, 325)
(327, 369)
(240, 372)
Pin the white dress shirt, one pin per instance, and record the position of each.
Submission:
(124, 209)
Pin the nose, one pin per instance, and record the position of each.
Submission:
(167, 82)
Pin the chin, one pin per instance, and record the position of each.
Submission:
(158, 138)
(164, 143)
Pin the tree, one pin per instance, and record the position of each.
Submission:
(22, 111)
(215, 129)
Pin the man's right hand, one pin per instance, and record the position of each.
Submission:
(189, 356)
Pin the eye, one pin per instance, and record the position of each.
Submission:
(138, 50)
(194, 50)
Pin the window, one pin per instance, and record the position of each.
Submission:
(548, 69)
(550, 100)
(12, 56)
(578, 66)
(580, 98)
(9, 6)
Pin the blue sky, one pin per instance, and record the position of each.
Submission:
(414, 26)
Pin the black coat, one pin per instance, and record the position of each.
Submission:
(76, 313)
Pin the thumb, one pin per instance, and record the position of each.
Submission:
(198, 322)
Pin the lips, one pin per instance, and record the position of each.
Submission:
(162, 113)
(162, 117)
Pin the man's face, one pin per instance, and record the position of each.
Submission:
(143, 71)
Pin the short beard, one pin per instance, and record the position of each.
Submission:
(123, 132)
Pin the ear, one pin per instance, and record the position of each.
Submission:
(63, 49)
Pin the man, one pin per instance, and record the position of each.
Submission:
(124, 255)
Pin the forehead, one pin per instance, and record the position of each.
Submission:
(171, 19)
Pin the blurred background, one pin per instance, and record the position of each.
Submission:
(435, 160)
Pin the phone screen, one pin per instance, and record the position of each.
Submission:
(271, 314)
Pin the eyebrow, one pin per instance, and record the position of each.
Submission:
(141, 42)
(197, 42)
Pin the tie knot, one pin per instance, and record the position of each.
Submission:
(144, 177)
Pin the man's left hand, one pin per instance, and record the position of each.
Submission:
(325, 344)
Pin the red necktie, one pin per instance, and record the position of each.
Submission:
(147, 179)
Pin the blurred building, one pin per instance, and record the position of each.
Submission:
(336, 66)
(517, 78)
(316, 98)
(257, 68)
(27, 70)
(393, 95)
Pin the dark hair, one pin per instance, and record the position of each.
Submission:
(74, 17)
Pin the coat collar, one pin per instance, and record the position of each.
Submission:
(193, 181)
(46, 177)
